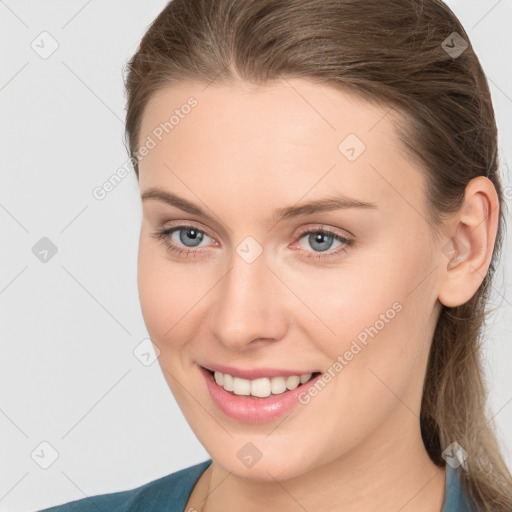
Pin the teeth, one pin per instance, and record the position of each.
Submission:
(305, 377)
(241, 386)
(227, 383)
(260, 387)
(292, 381)
(277, 385)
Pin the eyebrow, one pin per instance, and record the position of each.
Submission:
(319, 205)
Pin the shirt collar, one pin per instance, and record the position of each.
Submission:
(455, 498)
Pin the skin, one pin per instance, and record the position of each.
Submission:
(242, 152)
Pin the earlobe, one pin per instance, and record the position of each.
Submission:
(466, 256)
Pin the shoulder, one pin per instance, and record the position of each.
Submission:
(169, 492)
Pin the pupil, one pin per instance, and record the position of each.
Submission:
(190, 234)
(321, 238)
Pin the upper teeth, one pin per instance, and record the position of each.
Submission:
(259, 387)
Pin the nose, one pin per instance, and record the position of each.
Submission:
(249, 306)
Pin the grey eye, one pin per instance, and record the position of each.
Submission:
(190, 237)
(320, 241)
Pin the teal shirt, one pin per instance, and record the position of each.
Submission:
(170, 493)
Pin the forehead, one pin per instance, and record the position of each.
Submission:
(291, 135)
(298, 106)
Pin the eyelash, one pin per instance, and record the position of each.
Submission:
(163, 237)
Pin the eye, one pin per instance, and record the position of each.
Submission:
(186, 240)
(321, 241)
(183, 239)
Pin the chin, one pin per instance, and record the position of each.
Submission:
(277, 464)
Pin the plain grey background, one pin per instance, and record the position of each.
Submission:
(74, 374)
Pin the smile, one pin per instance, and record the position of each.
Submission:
(248, 407)
(262, 387)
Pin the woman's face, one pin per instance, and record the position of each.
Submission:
(250, 290)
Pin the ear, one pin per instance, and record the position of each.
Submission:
(466, 256)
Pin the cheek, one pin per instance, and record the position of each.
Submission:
(372, 322)
(172, 296)
(163, 297)
(348, 304)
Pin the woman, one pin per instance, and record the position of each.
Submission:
(322, 218)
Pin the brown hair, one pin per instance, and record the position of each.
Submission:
(391, 53)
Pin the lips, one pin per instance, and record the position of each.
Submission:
(251, 409)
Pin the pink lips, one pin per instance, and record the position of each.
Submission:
(252, 409)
